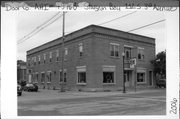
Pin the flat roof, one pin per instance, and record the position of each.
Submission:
(94, 29)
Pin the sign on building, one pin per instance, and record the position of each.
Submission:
(132, 62)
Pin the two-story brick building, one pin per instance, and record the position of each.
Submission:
(93, 60)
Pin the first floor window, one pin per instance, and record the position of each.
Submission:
(42, 77)
(36, 77)
(33, 77)
(140, 77)
(49, 77)
(60, 76)
(81, 77)
(108, 77)
(81, 74)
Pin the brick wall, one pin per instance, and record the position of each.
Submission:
(96, 54)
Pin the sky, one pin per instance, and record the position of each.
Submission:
(28, 21)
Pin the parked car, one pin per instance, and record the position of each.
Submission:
(19, 90)
(31, 87)
(161, 83)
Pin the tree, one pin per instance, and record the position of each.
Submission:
(159, 64)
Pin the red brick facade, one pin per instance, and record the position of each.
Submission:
(93, 61)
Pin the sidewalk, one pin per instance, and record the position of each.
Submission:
(44, 94)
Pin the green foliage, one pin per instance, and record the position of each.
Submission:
(160, 64)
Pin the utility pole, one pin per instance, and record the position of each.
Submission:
(135, 69)
(124, 87)
(62, 49)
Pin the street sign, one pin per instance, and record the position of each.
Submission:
(132, 62)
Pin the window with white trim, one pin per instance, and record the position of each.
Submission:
(81, 75)
(44, 58)
(65, 51)
(140, 53)
(127, 52)
(109, 74)
(49, 76)
(34, 60)
(57, 55)
(42, 77)
(39, 59)
(114, 50)
(60, 75)
(50, 56)
(80, 49)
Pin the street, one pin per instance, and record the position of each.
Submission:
(148, 102)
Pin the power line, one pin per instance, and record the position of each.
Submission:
(117, 18)
(39, 28)
(111, 20)
(147, 25)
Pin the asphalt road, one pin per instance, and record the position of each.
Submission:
(145, 103)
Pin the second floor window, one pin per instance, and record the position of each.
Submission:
(140, 53)
(66, 51)
(114, 50)
(39, 59)
(57, 55)
(44, 58)
(80, 49)
(127, 53)
(34, 60)
(50, 56)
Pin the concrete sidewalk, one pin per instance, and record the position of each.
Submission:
(55, 94)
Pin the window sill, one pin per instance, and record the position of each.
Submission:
(62, 82)
(114, 57)
(81, 83)
(48, 82)
(141, 59)
(141, 82)
(109, 83)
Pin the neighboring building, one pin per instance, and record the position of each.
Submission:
(21, 71)
(93, 60)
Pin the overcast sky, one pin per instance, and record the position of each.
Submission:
(28, 21)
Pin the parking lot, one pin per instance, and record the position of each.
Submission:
(53, 102)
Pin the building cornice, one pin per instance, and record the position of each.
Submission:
(97, 30)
